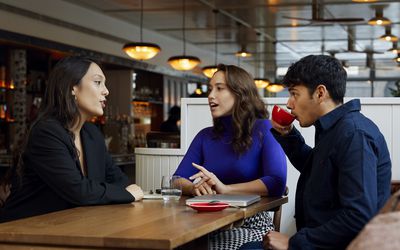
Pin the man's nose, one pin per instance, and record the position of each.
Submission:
(289, 104)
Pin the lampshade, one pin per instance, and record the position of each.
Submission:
(209, 70)
(397, 59)
(275, 87)
(261, 82)
(388, 36)
(141, 51)
(183, 62)
(394, 49)
(379, 19)
(243, 53)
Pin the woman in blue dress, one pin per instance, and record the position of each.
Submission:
(237, 155)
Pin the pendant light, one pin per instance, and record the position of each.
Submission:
(394, 49)
(275, 87)
(379, 19)
(243, 52)
(397, 59)
(388, 36)
(364, 1)
(141, 50)
(259, 81)
(210, 70)
(183, 62)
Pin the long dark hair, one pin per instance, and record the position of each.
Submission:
(247, 108)
(58, 103)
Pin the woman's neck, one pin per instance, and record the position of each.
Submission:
(76, 128)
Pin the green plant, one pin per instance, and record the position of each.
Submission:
(395, 92)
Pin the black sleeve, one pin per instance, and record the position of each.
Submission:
(294, 146)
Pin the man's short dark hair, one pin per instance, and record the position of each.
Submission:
(313, 70)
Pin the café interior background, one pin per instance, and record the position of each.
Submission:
(275, 32)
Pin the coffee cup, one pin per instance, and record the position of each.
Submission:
(281, 116)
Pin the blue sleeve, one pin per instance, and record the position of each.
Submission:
(294, 146)
(358, 195)
(273, 163)
(194, 154)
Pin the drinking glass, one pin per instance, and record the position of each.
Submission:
(171, 188)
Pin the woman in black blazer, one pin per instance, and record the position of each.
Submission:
(65, 162)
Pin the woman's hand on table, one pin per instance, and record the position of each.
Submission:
(135, 191)
(209, 178)
(203, 189)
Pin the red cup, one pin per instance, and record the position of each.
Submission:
(281, 116)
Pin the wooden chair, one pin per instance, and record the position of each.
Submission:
(278, 214)
(395, 186)
(4, 193)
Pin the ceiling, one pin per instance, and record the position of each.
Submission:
(260, 26)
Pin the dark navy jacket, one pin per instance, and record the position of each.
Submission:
(344, 180)
(52, 179)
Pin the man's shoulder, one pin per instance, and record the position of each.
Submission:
(356, 121)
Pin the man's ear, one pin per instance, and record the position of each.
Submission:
(321, 92)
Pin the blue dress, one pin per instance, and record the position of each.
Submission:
(265, 160)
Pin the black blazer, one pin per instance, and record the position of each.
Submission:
(52, 179)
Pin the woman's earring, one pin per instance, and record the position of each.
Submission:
(75, 97)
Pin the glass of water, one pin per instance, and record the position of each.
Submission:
(171, 188)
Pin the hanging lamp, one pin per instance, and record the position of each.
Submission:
(379, 19)
(397, 59)
(243, 52)
(275, 87)
(211, 69)
(141, 50)
(394, 49)
(183, 62)
(388, 36)
(364, 1)
(259, 81)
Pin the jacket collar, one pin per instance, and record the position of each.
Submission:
(327, 121)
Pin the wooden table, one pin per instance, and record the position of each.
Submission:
(150, 224)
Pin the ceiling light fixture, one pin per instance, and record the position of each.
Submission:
(259, 81)
(243, 52)
(379, 19)
(388, 36)
(364, 1)
(210, 70)
(275, 87)
(394, 49)
(183, 62)
(397, 59)
(141, 50)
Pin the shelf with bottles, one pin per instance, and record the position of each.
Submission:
(5, 85)
(6, 88)
(146, 94)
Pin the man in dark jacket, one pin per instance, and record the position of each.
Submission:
(345, 179)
